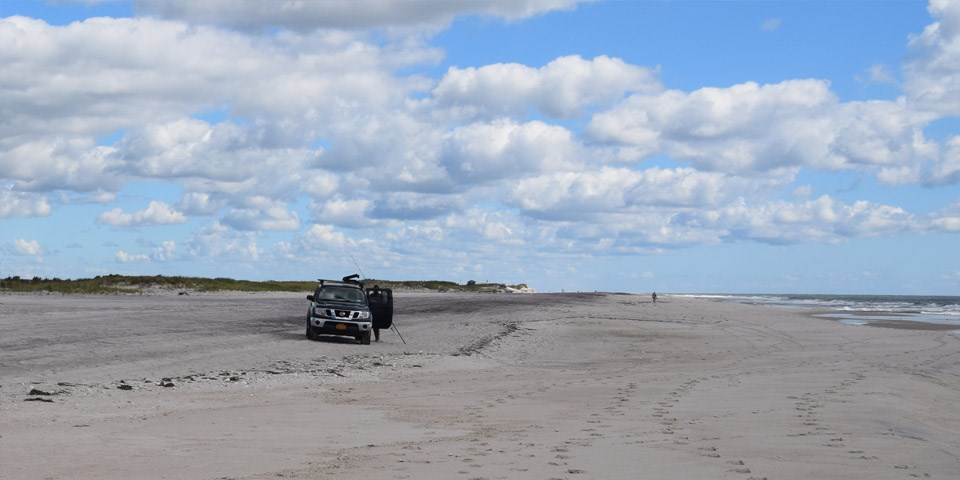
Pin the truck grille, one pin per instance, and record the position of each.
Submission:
(338, 313)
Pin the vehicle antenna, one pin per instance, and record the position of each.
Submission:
(358, 266)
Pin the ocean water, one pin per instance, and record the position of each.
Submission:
(860, 309)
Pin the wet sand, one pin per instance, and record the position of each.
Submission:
(542, 386)
(913, 325)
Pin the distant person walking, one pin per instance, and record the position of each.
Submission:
(654, 297)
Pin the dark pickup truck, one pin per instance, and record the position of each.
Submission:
(347, 308)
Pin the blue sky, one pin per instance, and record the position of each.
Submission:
(684, 146)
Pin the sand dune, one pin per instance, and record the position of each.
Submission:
(542, 386)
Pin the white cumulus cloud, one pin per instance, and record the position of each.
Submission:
(216, 242)
(344, 213)
(573, 194)
(262, 213)
(562, 88)
(22, 204)
(480, 153)
(326, 236)
(156, 213)
(165, 251)
(933, 65)
(946, 171)
(27, 247)
(124, 257)
(756, 129)
(355, 14)
(822, 219)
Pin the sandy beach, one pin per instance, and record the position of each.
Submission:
(495, 386)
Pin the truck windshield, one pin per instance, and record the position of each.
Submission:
(341, 294)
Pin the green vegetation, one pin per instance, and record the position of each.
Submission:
(122, 284)
(137, 284)
(441, 285)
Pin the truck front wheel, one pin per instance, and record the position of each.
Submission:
(365, 338)
(310, 334)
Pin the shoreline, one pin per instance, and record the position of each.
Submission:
(914, 325)
(866, 319)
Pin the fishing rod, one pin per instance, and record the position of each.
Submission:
(393, 324)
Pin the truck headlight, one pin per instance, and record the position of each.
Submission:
(364, 315)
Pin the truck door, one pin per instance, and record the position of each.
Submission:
(380, 301)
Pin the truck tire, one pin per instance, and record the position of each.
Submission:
(365, 338)
(310, 334)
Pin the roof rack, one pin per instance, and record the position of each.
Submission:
(348, 280)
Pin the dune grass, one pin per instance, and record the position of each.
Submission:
(124, 284)
(102, 284)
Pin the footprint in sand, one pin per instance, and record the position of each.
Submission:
(709, 452)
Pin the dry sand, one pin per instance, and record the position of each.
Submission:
(542, 386)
